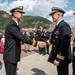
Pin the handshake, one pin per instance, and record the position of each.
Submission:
(41, 44)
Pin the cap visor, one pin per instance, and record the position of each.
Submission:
(52, 13)
(20, 12)
(74, 13)
(23, 12)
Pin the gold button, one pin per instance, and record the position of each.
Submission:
(56, 36)
(60, 53)
(53, 45)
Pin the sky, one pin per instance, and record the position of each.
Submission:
(42, 8)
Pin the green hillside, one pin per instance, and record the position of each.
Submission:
(28, 21)
(4, 18)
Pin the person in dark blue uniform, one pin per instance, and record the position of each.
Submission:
(13, 39)
(60, 54)
(73, 63)
(74, 56)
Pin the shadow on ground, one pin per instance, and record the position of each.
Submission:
(38, 71)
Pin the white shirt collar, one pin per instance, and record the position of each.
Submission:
(59, 21)
(16, 22)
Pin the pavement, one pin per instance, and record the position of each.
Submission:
(33, 64)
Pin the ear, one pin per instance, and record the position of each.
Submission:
(15, 14)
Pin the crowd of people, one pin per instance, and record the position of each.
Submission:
(39, 34)
(60, 39)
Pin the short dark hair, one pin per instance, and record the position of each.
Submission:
(45, 28)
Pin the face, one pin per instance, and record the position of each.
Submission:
(45, 30)
(3, 36)
(18, 16)
(55, 17)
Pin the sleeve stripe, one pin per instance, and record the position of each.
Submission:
(49, 43)
(60, 57)
(74, 53)
(34, 42)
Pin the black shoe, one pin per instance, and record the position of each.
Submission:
(47, 52)
(25, 51)
(44, 54)
(28, 50)
(40, 53)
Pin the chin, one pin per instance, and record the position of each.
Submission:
(19, 20)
